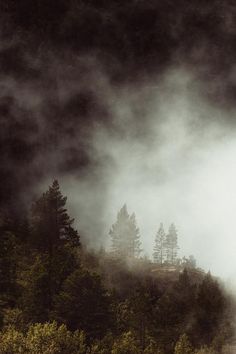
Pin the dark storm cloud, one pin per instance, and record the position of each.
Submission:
(62, 62)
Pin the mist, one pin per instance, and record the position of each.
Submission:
(105, 104)
(175, 163)
(124, 104)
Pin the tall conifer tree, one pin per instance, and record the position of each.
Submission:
(125, 235)
(51, 223)
(159, 248)
(171, 245)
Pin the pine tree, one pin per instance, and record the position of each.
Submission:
(210, 305)
(125, 235)
(51, 223)
(84, 304)
(53, 240)
(8, 264)
(134, 238)
(171, 245)
(159, 248)
(183, 346)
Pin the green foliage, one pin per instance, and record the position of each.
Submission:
(83, 303)
(13, 317)
(153, 348)
(43, 280)
(138, 312)
(183, 346)
(12, 342)
(36, 295)
(126, 344)
(103, 346)
(8, 252)
(45, 338)
(121, 307)
(48, 338)
(210, 309)
(54, 256)
(206, 350)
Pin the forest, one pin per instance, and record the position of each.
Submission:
(57, 296)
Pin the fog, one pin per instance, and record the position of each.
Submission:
(170, 156)
(124, 104)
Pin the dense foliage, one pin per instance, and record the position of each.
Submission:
(57, 297)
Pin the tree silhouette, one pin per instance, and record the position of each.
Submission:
(51, 223)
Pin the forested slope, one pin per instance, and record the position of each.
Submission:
(58, 297)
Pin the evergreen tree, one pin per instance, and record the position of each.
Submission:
(8, 263)
(36, 293)
(84, 304)
(171, 245)
(134, 238)
(159, 248)
(53, 240)
(51, 223)
(183, 346)
(125, 235)
(210, 309)
(42, 281)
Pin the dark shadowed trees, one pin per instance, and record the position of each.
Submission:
(53, 255)
(210, 309)
(83, 304)
(8, 267)
(51, 223)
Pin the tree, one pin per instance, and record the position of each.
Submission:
(47, 338)
(171, 245)
(54, 257)
(183, 346)
(51, 223)
(12, 341)
(183, 295)
(84, 304)
(42, 280)
(159, 247)
(8, 265)
(141, 312)
(210, 309)
(127, 344)
(36, 299)
(125, 235)
(189, 262)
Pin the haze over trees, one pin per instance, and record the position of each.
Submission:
(125, 235)
(56, 297)
(71, 69)
(171, 245)
(126, 242)
(166, 246)
(159, 248)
